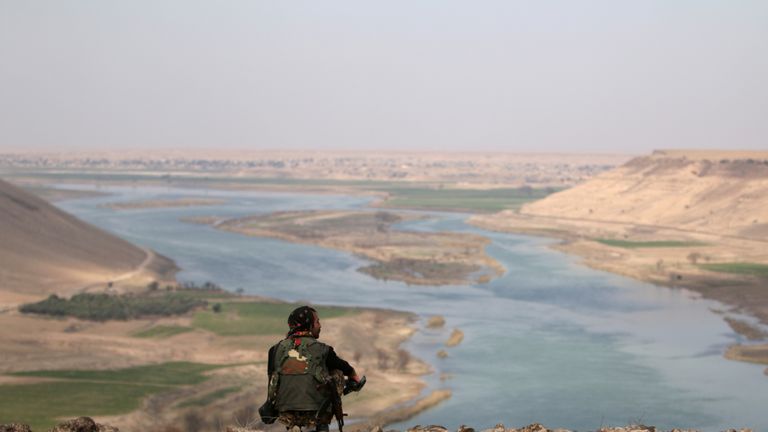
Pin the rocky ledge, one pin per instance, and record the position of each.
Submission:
(86, 424)
(80, 424)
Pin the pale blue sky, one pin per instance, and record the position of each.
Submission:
(574, 76)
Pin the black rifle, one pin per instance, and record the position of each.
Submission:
(335, 400)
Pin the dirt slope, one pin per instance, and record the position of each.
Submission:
(664, 219)
(45, 250)
(724, 193)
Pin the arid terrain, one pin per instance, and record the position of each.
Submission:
(412, 257)
(60, 366)
(46, 250)
(697, 220)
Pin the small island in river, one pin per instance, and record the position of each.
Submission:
(422, 258)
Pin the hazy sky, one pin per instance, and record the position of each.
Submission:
(592, 76)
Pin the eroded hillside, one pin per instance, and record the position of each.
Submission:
(47, 250)
(724, 193)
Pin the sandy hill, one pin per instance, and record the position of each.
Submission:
(720, 192)
(695, 219)
(45, 250)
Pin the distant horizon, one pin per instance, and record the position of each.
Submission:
(245, 152)
(85, 150)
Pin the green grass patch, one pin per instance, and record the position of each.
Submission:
(163, 374)
(479, 200)
(39, 405)
(162, 331)
(745, 268)
(648, 244)
(208, 398)
(92, 392)
(253, 318)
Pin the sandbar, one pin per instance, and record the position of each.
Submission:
(419, 258)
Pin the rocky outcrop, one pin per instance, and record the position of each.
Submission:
(83, 424)
(80, 424)
(86, 424)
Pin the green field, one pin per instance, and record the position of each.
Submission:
(252, 318)
(488, 200)
(92, 392)
(163, 374)
(745, 268)
(162, 331)
(648, 244)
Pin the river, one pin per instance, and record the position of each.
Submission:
(551, 341)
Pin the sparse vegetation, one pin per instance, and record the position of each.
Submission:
(208, 290)
(254, 318)
(103, 307)
(648, 244)
(415, 270)
(746, 268)
(162, 331)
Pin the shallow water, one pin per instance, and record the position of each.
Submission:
(551, 341)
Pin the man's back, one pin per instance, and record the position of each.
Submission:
(300, 364)
(300, 369)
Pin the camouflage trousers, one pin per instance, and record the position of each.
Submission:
(304, 418)
(313, 418)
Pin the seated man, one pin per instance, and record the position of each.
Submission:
(305, 375)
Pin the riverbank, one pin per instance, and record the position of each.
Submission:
(225, 350)
(420, 258)
(663, 256)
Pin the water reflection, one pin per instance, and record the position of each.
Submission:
(551, 341)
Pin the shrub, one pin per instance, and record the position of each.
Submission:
(102, 307)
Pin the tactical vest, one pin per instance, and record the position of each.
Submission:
(301, 378)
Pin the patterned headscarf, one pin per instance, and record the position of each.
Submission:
(300, 321)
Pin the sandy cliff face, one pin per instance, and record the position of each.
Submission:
(44, 250)
(668, 218)
(725, 193)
